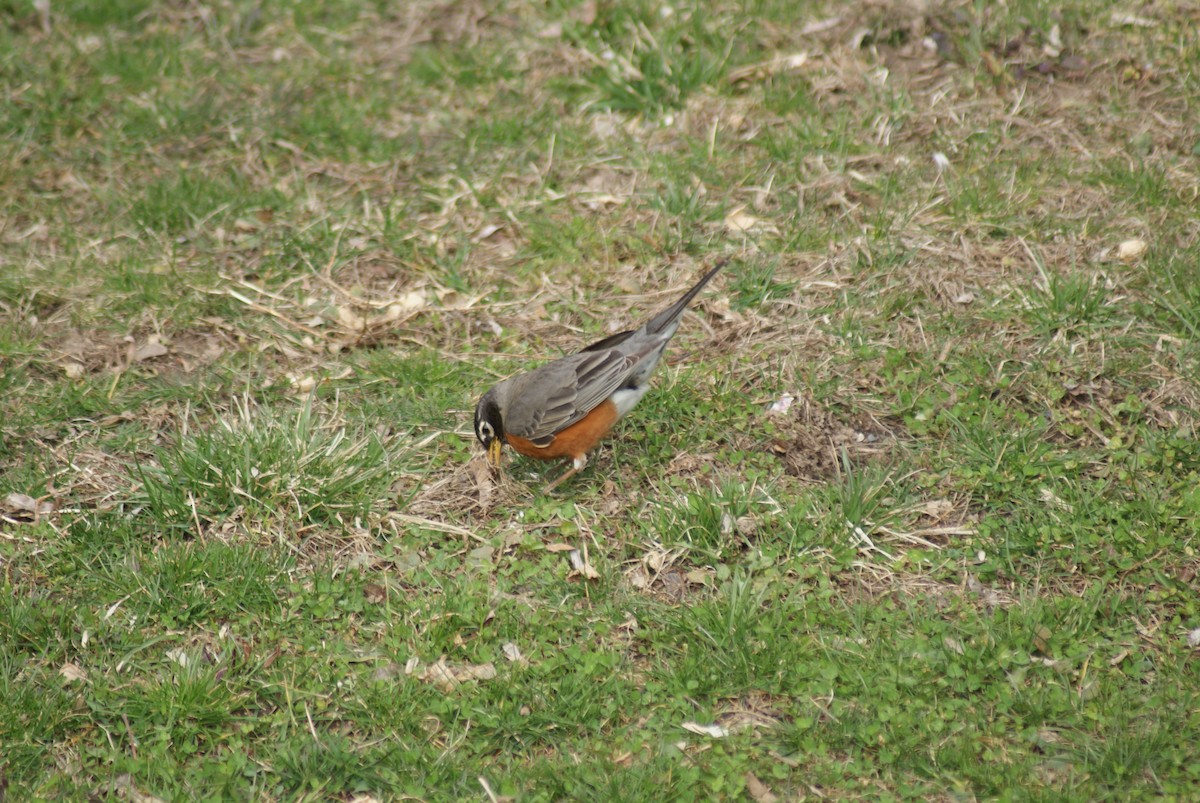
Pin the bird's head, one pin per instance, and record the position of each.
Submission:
(489, 426)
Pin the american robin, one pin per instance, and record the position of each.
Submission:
(565, 407)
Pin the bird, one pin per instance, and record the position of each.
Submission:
(564, 408)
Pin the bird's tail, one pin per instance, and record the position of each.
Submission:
(663, 320)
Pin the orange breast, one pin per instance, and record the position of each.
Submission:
(574, 441)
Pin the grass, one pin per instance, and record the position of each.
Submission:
(259, 261)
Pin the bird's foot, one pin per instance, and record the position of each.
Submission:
(576, 466)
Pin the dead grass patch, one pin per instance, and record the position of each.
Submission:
(658, 574)
(872, 582)
(469, 492)
(755, 712)
(811, 440)
(98, 351)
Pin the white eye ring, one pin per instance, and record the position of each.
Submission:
(486, 431)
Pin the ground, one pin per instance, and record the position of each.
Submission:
(910, 512)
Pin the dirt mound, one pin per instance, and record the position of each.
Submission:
(810, 439)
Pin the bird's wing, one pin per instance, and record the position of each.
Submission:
(555, 396)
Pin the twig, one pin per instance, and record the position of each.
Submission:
(254, 305)
(440, 526)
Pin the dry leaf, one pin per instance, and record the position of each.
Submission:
(1052, 499)
(27, 504)
(559, 547)
(585, 12)
(351, 319)
(656, 559)
(714, 730)
(149, 351)
(125, 788)
(1041, 639)
(1053, 46)
(304, 384)
(782, 404)
(413, 300)
(759, 790)
(446, 676)
(480, 557)
(485, 232)
(580, 565)
(1132, 20)
(739, 220)
(938, 509)
(513, 653)
(600, 200)
(765, 69)
(42, 7)
(387, 672)
(485, 483)
(72, 673)
(1130, 250)
(409, 302)
(820, 26)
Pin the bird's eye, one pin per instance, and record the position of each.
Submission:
(486, 432)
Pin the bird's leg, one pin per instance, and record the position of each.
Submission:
(576, 466)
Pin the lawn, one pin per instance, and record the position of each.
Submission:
(911, 512)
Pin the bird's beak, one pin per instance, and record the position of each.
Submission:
(493, 452)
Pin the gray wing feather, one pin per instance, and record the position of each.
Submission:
(580, 382)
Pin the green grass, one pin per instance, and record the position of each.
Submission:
(248, 463)
(648, 59)
(962, 566)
